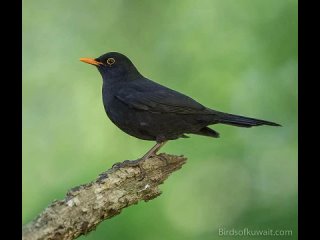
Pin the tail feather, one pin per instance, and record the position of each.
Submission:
(241, 121)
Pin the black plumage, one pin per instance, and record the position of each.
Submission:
(150, 111)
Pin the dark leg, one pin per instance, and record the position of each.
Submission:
(133, 163)
(153, 150)
(150, 153)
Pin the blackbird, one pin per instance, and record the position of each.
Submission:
(149, 111)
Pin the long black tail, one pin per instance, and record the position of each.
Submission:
(241, 121)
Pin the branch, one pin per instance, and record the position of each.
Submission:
(85, 206)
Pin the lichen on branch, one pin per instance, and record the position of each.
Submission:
(85, 206)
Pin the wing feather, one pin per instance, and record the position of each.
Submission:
(160, 100)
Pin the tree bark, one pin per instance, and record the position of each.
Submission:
(85, 206)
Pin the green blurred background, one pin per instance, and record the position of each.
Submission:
(231, 55)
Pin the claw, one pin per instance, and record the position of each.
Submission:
(131, 163)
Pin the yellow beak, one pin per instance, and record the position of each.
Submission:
(90, 61)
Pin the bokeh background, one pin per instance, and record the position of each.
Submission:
(234, 56)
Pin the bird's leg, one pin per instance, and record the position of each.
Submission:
(133, 163)
(153, 150)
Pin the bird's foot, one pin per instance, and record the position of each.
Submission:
(146, 156)
(163, 159)
(126, 163)
(131, 163)
(152, 155)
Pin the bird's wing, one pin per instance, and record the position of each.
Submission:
(160, 100)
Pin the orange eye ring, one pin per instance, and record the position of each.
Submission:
(110, 61)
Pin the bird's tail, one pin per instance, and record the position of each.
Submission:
(241, 121)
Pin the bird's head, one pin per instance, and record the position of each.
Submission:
(114, 66)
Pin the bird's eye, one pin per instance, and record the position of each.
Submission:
(110, 61)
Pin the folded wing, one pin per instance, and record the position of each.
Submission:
(161, 100)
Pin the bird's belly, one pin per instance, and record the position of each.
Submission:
(148, 125)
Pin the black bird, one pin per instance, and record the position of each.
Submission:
(149, 111)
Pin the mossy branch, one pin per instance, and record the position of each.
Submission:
(85, 206)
